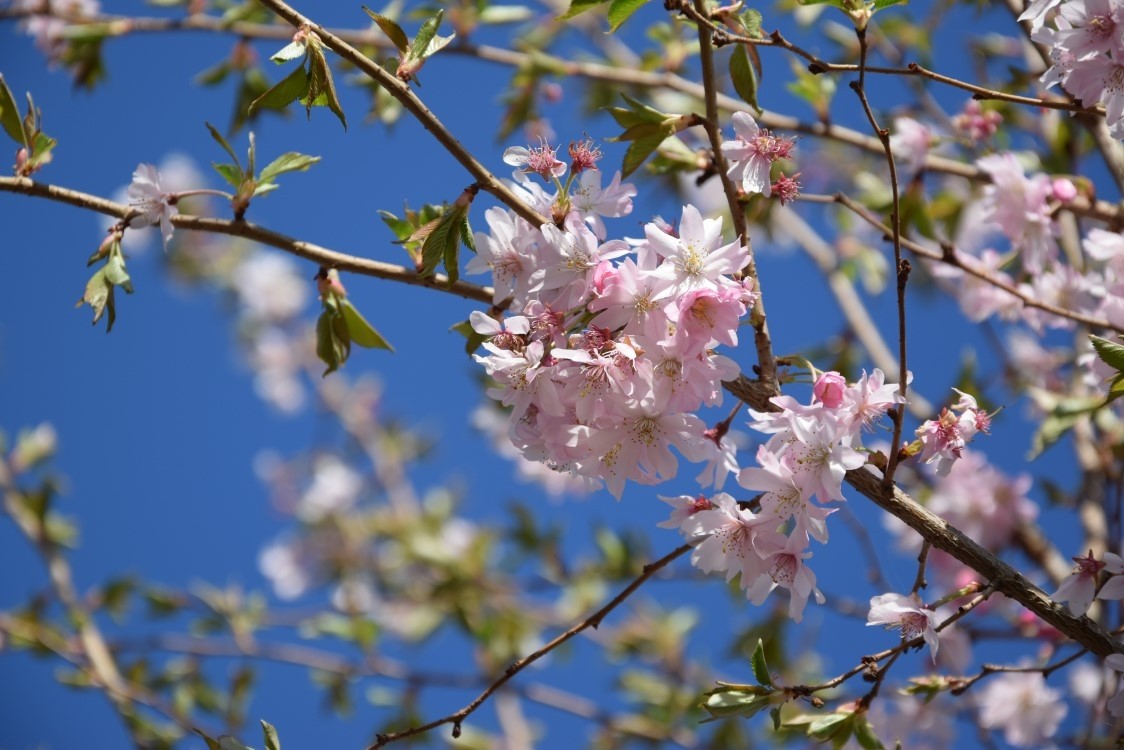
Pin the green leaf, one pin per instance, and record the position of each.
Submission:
(331, 348)
(579, 6)
(751, 19)
(473, 340)
(760, 668)
(115, 271)
(270, 736)
(744, 77)
(360, 331)
(442, 242)
(420, 46)
(99, 296)
(636, 113)
(865, 735)
(41, 148)
(214, 75)
(638, 151)
(211, 743)
(728, 701)
(1116, 388)
(321, 89)
(226, 146)
(392, 30)
(226, 742)
(880, 4)
(290, 88)
(775, 715)
(1109, 352)
(288, 162)
(10, 114)
(290, 51)
(620, 11)
(232, 173)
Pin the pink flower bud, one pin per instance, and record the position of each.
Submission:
(829, 389)
(21, 162)
(1064, 189)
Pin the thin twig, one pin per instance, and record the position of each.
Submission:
(315, 253)
(593, 621)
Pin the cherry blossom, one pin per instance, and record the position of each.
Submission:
(907, 614)
(152, 202)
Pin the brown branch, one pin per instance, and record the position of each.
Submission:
(593, 621)
(766, 361)
(307, 250)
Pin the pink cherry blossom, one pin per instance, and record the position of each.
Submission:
(908, 614)
(151, 202)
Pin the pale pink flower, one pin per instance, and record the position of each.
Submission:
(1020, 206)
(1100, 80)
(783, 565)
(683, 507)
(908, 614)
(751, 154)
(154, 204)
(592, 201)
(696, 257)
(541, 160)
(727, 532)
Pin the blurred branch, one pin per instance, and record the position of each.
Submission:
(948, 255)
(792, 225)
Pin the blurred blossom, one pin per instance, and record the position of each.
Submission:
(914, 722)
(286, 564)
(982, 501)
(911, 142)
(1023, 707)
(494, 423)
(48, 29)
(277, 358)
(335, 487)
(270, 287)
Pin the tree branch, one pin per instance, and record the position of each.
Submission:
(315, 253)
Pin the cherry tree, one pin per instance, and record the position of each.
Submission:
(832, 462)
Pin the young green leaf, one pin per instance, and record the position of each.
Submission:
(728, 701)
(392, 30)
(222, 142)
(288, 162)
(333, 345)
(269, 733)
(10, 115)
(99, 296)
(638, 151)
(419, 48)
(230, 172)
(290, 51)
(760, 667)
(442, 242)
(744, 76)
(321, 88)
(620, 11)
(1109, 352)
(360, 331)
(579, 6)
(290, 88)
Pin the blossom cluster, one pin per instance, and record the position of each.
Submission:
(1087, 51)
(611, 350)
(800, 468)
